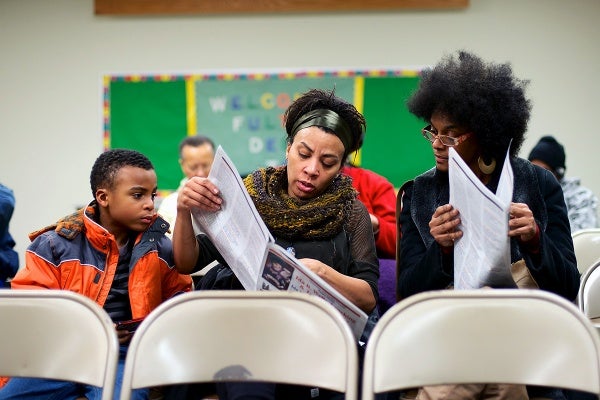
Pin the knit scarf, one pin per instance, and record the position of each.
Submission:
(289, 218)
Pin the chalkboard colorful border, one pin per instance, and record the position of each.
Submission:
(241, 111)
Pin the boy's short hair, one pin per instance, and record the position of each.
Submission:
(110, 162)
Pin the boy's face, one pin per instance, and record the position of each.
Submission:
(129, 204)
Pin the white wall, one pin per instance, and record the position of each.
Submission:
(52, 54)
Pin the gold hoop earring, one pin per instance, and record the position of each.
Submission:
(487, 169)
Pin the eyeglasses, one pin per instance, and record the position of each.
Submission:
(445, 139)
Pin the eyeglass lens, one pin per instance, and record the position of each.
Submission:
(446, 140)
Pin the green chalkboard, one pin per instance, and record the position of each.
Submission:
(394, 146)
(150, 117)
(243, 114)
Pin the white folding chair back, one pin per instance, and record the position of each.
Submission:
(514, 336)
(588, 298)
(209, 336)
(57, 334)
(586, 243)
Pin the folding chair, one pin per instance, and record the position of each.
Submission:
(586, 243)
(57, 334)
(513, 336)
(588, 298)
(217, 336)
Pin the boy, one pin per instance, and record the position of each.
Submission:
(114, 251)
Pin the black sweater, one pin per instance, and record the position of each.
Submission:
(421, 264)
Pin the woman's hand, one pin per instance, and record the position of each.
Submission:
(316, 266)
(443, 225)
(521, 222)
(356, 290)
(199, 193)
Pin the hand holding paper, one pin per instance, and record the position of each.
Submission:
(444, 225)
(522, 222)
(482, 255)
(201, 194)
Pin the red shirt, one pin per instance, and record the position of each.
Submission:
(379, 196)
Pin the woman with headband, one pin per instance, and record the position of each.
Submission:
(309, 208)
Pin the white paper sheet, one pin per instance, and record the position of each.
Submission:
(240, 235)
(482, 254)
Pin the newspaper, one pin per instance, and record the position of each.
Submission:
(246, 244)
(482, 254)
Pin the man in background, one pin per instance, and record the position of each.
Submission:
(581, 202)
(196, 154)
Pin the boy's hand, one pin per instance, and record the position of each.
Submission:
(123, 335)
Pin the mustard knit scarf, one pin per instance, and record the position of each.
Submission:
(289, 218)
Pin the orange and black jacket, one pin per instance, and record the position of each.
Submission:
(79, 255)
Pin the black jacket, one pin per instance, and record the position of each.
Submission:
(421, 264)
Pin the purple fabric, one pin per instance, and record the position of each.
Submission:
(387, 284)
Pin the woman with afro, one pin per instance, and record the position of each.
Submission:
(481, 111)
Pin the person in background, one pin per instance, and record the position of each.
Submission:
(480, 110)
(196, 154)
(379, 196)
(9, 258)
(309, 207)
(111, 246)
(582, 203)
